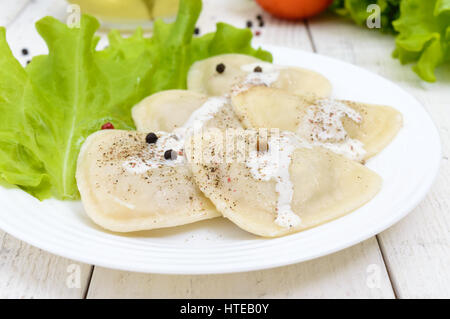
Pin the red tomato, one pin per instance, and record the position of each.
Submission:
(294, 9)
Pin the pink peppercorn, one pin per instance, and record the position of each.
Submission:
(107, 126)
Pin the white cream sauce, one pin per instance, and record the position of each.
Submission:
(322, 126)
(201, 116)
(267, 77)
(154, 157)
(274, 165)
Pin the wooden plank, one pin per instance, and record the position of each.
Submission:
(341, 275)
(9, 10)
(25, 271)
(28, 272)
(417, 249)
(21, 33)
(357, 272)
(239, 12)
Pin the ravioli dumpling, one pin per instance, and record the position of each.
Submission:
(226, 73)
(166, 110)
(125, 180)
(127, 185)
(358, 130)
(281, 189)
(182, 110)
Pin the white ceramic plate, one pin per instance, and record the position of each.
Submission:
(408, 167)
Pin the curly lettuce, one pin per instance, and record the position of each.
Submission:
(422, 29)
(423, 35)
(51, 106)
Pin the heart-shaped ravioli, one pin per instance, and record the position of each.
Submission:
(166, 110)
(181, 111)
(228, 73)
(357, 130)
(127, 184)
(276, 185)
(132, 181)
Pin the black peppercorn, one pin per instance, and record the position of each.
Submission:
(25, 51)
(261, 23)
(220, 68)
(257, 69)
(249, 24)
(197, 31)
(170, 155)
(259, 17)
(151, 138)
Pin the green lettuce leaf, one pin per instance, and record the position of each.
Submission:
(424, 35)
(19, 163)
(422, 29)
(50, 107)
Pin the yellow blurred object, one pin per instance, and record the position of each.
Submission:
(128, 11)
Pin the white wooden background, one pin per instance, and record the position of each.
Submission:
(409, 260)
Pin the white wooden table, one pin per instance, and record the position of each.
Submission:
(409, 260)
